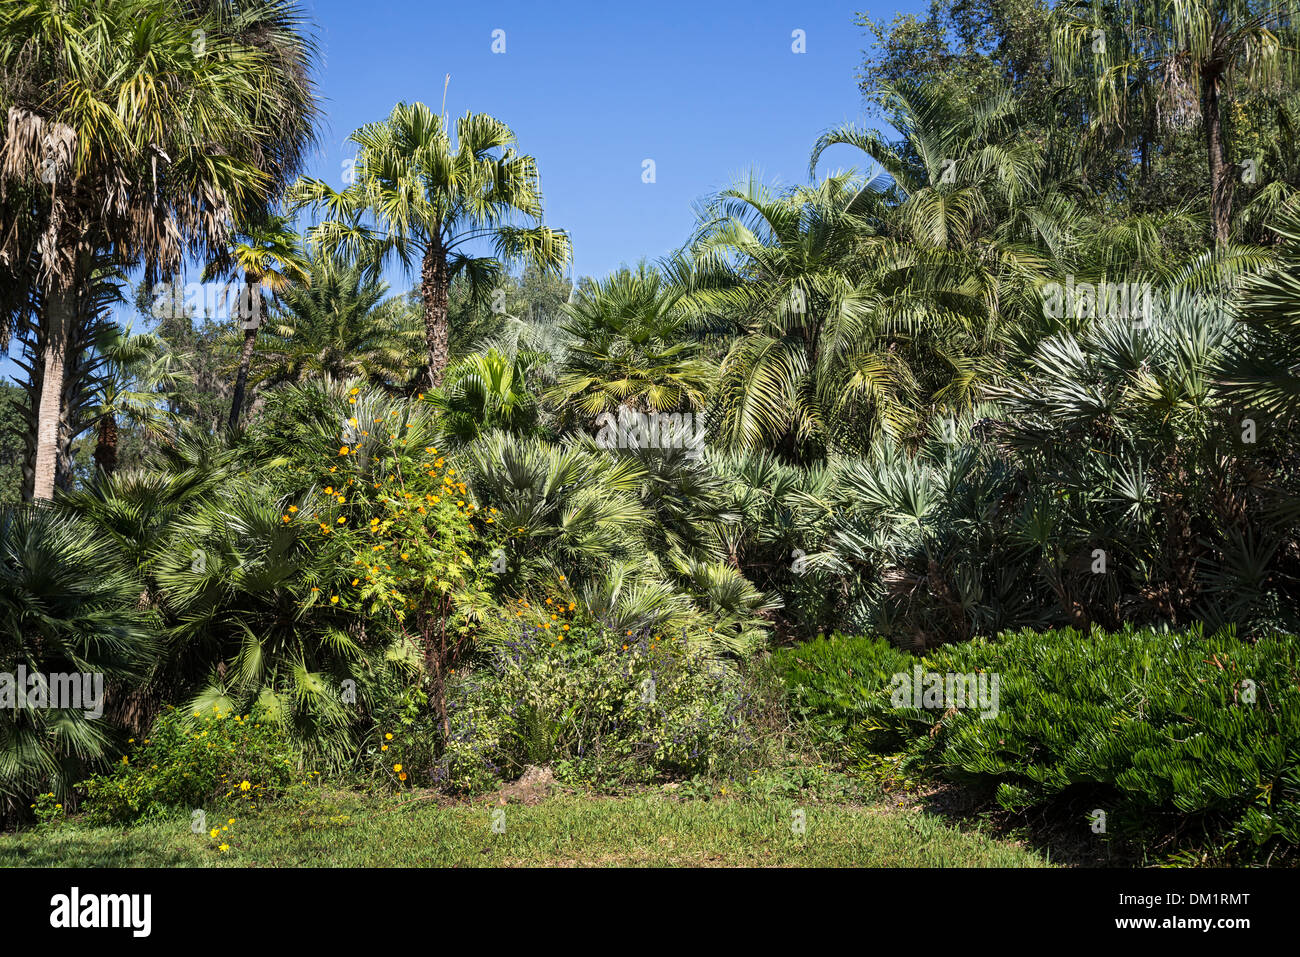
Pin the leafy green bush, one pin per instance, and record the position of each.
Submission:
(1186, 733)
(599, 707)
(832, 683)
(191, 760)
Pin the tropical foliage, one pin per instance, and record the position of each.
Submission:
(1011, 387)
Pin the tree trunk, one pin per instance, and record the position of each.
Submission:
(434, 289)
(246, 351)
(1220, 173)
(60, 307)
(106, 445)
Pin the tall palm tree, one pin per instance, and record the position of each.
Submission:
(1188, 56)
(418, 199)
(270, 257)
(140, 129)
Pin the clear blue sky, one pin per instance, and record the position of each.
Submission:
(706, 89)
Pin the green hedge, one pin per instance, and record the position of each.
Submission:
(1159, 730)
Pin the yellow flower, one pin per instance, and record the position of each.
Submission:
(388, 736)
(244, 785)
(231, 821)
(383, 747)
(397, 767)
(224, 847)
(402, 776)
(342, 519)
(343, 450)
(292, 509)
(354, 392)
(214, 832)
(329, 489)
(334, 599)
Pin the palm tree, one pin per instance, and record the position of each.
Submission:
(417, 199)
(119, 174)
(1187, 56)
(488, 390)
(270, 258)
(139, 371)
(340, 326)
(68, 605)
(630, 348)
(845, 329)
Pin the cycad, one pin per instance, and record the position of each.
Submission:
(338, 327)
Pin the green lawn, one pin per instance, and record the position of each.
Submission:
(351, 830)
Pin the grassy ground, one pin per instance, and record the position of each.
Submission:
(351, 830)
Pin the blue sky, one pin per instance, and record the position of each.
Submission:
(704, 89)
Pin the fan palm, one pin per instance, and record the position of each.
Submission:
(139, 371)
(67, 606)
(487, 391)
(417, 199)
(630, 349)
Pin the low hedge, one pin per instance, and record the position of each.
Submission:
(1183, 739)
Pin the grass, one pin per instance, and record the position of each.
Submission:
(353, 830)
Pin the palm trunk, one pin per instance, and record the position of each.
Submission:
(1220, 173)
(245, 353)
(60, 306)
(434, 289)
(106, 444)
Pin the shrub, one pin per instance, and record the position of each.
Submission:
(1186, 733)
(191, 760)
(832, 682)
(599, 707)
(69, 606)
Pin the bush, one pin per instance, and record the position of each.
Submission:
(191, 760)
(600, 708)
(1168, 733)
(832, 683)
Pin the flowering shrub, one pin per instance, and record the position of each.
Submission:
(598, 707)
(191, 760)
